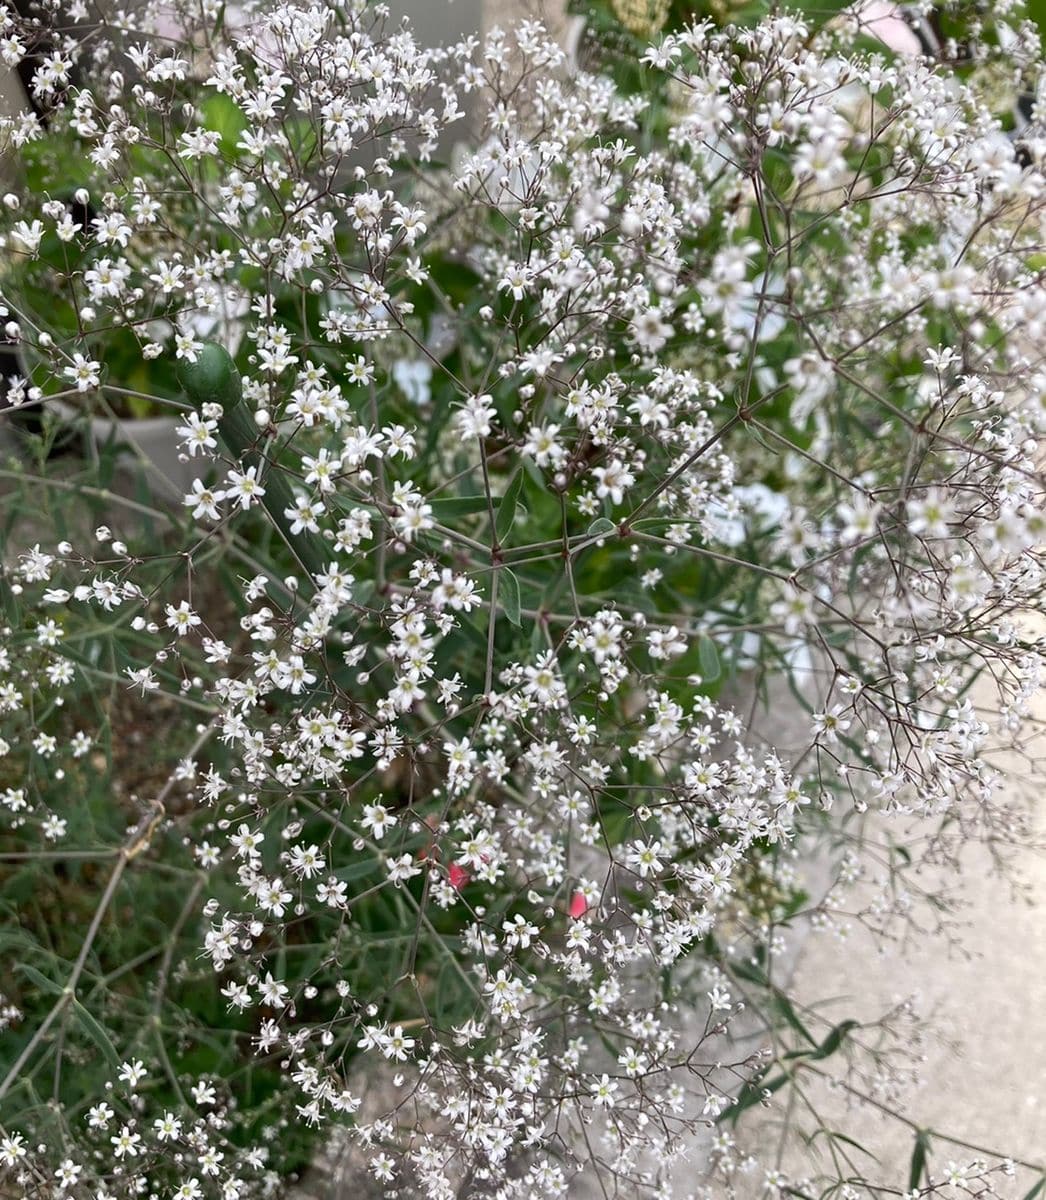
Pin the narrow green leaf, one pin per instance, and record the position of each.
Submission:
(1036, 1189)
(41, 981)
(833, 1135)
(784, 1007)
(918, 1163)
(508, 594)
(834, 1039)
(507, 511)
(93, 1028)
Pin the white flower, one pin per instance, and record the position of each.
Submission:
(305, 513)
(67, 1173)
(273, 897)
(650, 331)
(930, 514)
(54, 827)
(168, 276)
(181, 619)
(99, 1115)
(516, 280)
(831, 724)
(306, 861)
(29, 235)
(198, 143)
(132, 1073)
(203, 1093)
(197, 434)
(476, 419)
(203, 501)
(12, 1148)
(604, 1093)
(665, 643)
(396, 1045)
(274, 992)
(543, 445)
(644, 857)
(126, 1142)
(85, 373)
(246, 841)
(186, 346)
(377, 820)
(613, 480)
(244, 487)
(168, 1127)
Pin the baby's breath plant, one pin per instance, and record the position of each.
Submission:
(557, 413)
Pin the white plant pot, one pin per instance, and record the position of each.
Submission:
(151, 440)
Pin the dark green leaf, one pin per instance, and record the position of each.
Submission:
(784, 1007)
(1036, 1189)
(1036, 10)
(507, 511)
(918, 1163)
(834, 1039)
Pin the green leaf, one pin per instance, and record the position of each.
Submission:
(358, 870)
(41, 981)
(833, 1135)
(507, 511)
(223, 115)
(784, 1007)
(1036, 1189)
(708, 656)
(1036, 10)
(601, 526)
(508, 594)
(458, 506)
(92, 1027)
(918, 1163)
(834, 1039)
(752, 1093)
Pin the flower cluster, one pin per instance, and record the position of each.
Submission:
(555, 411)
